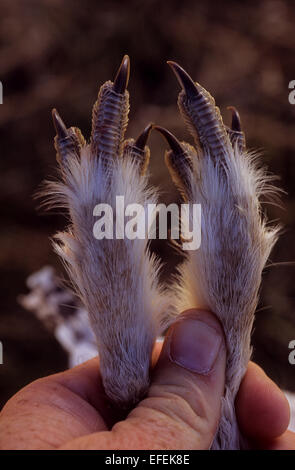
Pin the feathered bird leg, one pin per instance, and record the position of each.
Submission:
(114, 276)
(224, 274)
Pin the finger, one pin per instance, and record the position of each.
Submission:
(188, 383)
(85, 381)
(284, 442)
(45, 414)
(182, 409)
(262, 409)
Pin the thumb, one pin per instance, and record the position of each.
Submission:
(182, 409)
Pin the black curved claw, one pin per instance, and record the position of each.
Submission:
(59, 125)
(122, 77)
(185, 81)
(141, 140)
(175, 145)
(236, 121)
(178, 161)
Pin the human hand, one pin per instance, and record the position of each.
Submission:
(69, 410)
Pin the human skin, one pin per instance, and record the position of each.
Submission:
(69, 410)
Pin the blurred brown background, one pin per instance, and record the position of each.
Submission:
(56, 53)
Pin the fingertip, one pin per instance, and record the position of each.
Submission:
(262, 408)
(156, 351)
(284, 442)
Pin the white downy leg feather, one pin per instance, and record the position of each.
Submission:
(116, 279)
(224, 274)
